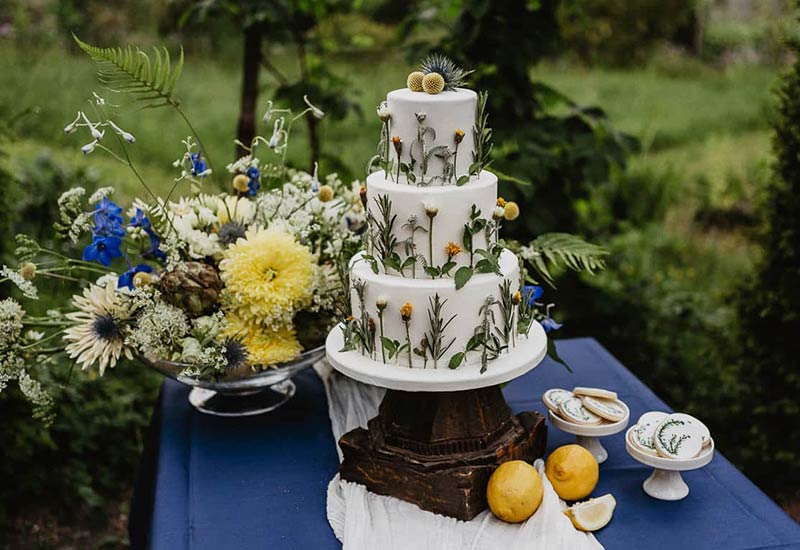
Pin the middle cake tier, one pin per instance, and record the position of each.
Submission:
(411, 227)
(426, 322)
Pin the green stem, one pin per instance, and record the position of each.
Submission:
(408, 343)
(430, 241)
(383, 351)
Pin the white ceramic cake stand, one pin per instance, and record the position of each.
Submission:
(666, 483)
(528, 353)
(588, 436)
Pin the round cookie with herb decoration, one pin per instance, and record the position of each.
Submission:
(678, 439)
(572, 410)
(553, 398)
(645, 428)
(705, 433)
(608, 409)
(594, 392)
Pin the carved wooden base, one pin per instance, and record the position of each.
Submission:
(437, 450)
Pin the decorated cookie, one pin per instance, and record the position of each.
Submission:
(676, 438)
(595, 392)
(643, 431)
(704, 432)
(611, 410)
(572, 410)
(554, 397)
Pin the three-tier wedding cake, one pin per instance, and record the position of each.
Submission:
(434, 287)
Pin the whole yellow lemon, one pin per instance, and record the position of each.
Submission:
(573, 471)
(514, 491)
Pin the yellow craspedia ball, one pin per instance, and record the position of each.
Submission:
(325, 193)
(241, 183)
(511, 211)
(414, 81)
(514, 491)
(433, 83)
(573, 471)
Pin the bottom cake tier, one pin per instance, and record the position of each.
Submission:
(427, 323)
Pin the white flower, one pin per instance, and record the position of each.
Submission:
(100, 194)
(25, 286)
(72, 126)
(34, 335)
(11, 314)
(315, 180)
(159, 329)
(268, 113)
(127, 136)
(98, 335)
(498, 212)
(383, 111)
(99, 101)
(89, 147)
(238, 209)
(430, 209)
(316, 111)
(96, 134)
(277, 129)
(382, 302)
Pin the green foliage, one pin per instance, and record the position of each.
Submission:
(565, 251)
(619, 32)
(769, 305)
(130, 70)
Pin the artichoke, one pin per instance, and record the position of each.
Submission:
(194, 287)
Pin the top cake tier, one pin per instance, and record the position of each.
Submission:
(435, 132)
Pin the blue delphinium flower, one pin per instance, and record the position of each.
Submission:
(107, 219)
(533, 293)
(549, 324)
(254, 184)
(198, 165)
(143, 222)
(103, 249)
(126, 279)
(140, 220)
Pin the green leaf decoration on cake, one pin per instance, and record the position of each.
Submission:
(453, 75)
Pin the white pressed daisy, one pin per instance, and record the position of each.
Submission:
(98, 335)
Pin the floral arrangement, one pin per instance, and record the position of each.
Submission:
(217, 280)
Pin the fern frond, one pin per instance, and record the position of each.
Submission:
(130, 70)
(563, 250)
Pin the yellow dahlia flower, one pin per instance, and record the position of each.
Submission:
(265, 347)
(268, 276)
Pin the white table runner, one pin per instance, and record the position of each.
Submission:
(366, 521)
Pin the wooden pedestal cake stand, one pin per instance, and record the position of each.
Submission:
(440, 433)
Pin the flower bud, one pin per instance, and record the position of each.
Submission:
(241, 183)
(28, 270)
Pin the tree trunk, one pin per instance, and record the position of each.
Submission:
(246, 127)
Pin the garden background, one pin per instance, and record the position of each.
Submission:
(645, 127)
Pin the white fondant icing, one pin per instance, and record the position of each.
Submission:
(445, 113)
(454, 205)
(464, 304)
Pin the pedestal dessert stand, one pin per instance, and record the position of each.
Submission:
(588, 436)
(440, 433)
(666, 483)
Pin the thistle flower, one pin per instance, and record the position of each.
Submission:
(511, 211)
(325, 193)
(383, 111)
(405, 311)
(433, 83)
(430, 209)
(414, 81)
(452, 250)
(452, 75)
(459, 136)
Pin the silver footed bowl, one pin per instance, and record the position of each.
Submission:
(245, 394)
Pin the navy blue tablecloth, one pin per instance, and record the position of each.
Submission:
(260, 482)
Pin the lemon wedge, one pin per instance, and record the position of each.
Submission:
(593, 514)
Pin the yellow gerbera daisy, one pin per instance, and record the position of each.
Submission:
(265, 347)
(268, 275)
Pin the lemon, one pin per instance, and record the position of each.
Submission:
(573, 471)
(593, 514)
(514, 491)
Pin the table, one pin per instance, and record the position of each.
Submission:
(260, 482)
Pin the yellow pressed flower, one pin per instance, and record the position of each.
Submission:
(266, 347)
(459, 136)
(452, 249)
(268, 275)
(406, 310)
(517, 298)
(501, 202)
(511, 211)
